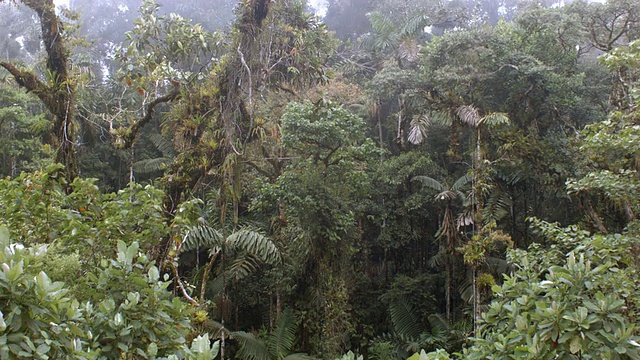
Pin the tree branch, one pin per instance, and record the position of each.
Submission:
(29, 81)
(126, 137)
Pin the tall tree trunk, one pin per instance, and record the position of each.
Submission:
(58, 96)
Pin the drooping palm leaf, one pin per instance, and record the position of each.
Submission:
(148, 166)
(493, 119)
(443, 118)
(163, 145)
(469, 115)
(255, 244)
(431, 182)
(201, 237)
(242, 267)
(418, 129)
(461, 182)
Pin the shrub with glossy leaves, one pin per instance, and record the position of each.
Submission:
(577, 298)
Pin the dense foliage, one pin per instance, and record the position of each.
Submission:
(399, 179)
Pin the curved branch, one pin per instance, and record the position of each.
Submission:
(29, 81)
(125, 138)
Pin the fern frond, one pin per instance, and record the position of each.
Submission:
(403, 318)
(283, 336)
(251, 348)
(201, 237)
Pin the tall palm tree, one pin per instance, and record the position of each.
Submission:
(448, 231)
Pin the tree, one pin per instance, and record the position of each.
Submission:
(57, 93)
(450, 225)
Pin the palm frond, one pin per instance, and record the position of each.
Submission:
(465, 218)
(404, 319)
(283, 336)
(439, 259)
(430, 182)
(41, 126)
(242, 267)
(385, 33)
(498, 206)
(415, 25)
(148, 166)
(439, 322)
(251, 348)
(462, 181)
(201, 236)
(163, 145)
(494, 119)
(466, 289)
(443, 118)
(255, 244)
(418, 129)
(469, 115)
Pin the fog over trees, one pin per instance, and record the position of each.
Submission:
(339, 179)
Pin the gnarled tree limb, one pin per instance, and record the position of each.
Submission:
(126, 137)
